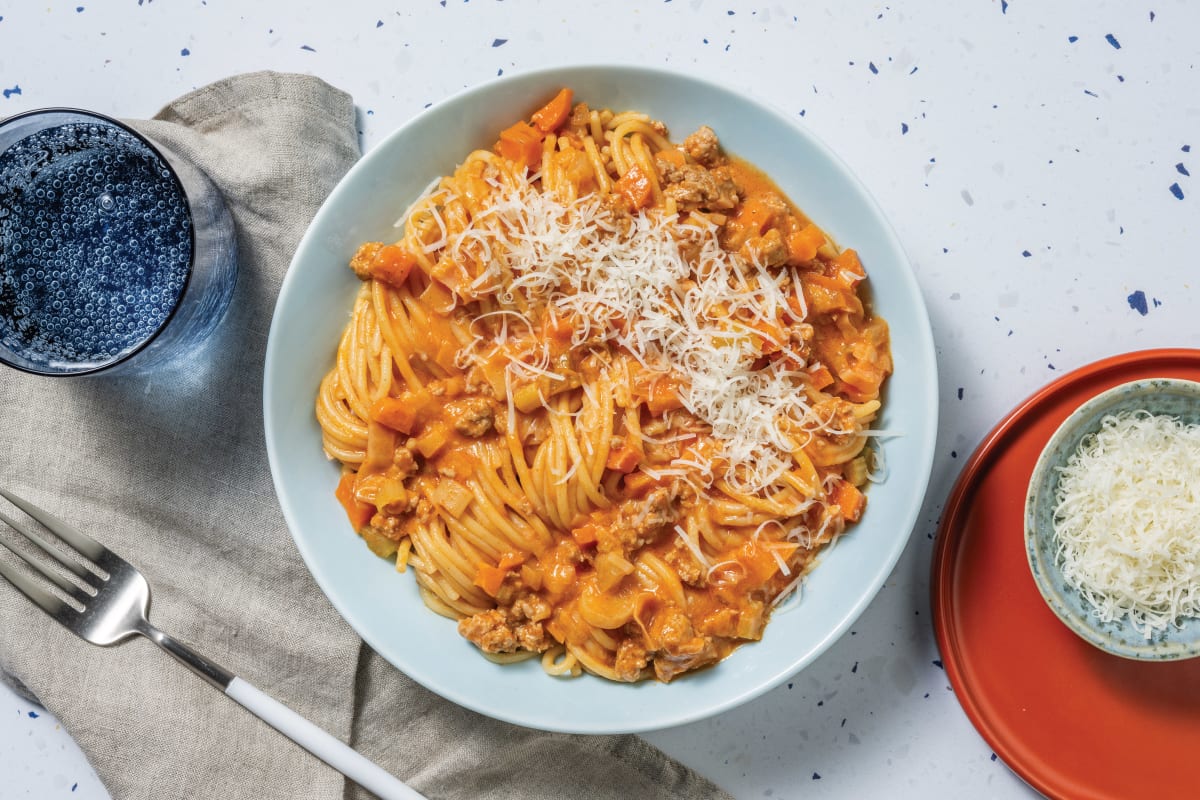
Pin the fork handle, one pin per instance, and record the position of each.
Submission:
(315, 740)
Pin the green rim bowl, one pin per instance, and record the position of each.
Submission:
(1159, 396)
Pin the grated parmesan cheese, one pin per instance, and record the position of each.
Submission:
(630, 285)
(1127, 520)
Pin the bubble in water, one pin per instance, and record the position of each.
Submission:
(106, 202)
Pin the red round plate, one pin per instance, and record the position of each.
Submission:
(1071, 720)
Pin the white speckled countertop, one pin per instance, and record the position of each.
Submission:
(1035, 159)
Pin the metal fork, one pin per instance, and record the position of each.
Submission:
(113, 607)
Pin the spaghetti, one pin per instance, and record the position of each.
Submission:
(608, 396)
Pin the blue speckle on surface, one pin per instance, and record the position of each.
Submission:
(185, 52)
(1181, 169)
(10, 92)
(1113, 41)
(1121, 78)
(993, 756)
(871, 66)
(938, 664)
(78, 9)
(1187, 148)
(912, 71)
(498, 42)
(816, 776)
(1003, 6)
(379, 23)
(903, 128)
(1137, 301)
(960, 392)
(1026, 253)
(730, 13)
(1175, 190)
(74, 786)
(1072, 39)
(854, 668)
(1152, 16)
(306, 47)
(1089, 91)
(34, 715)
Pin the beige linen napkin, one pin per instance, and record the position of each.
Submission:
(171, 472)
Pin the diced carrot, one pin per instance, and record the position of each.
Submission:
(803, 244)
(758, 560)
(550, 116)
(754, 216)
(584, 535)
(624, 459)
(559, 327)
(824, 295)
(490, 578)
(521, 143)
(820, 377)
(398, 413)
(672, 156)
(358, 513)
(637, 483)
(635, 187)
(849, 499)
(664, 396)
(849, 267)
(392, 265)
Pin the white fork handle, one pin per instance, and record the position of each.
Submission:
(354, 766)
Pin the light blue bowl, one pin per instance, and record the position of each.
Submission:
(384, 607)
(1159, 396)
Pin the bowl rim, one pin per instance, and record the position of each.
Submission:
(921, 467)
(1066, 431)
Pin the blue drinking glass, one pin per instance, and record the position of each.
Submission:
(117, 256)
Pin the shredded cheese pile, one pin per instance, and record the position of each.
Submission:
(628, 283)
(1127, 520)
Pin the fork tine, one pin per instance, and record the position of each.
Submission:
(76, 569)
(44, 599)
(80, 541)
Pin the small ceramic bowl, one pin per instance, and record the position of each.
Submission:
(1160, 396)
